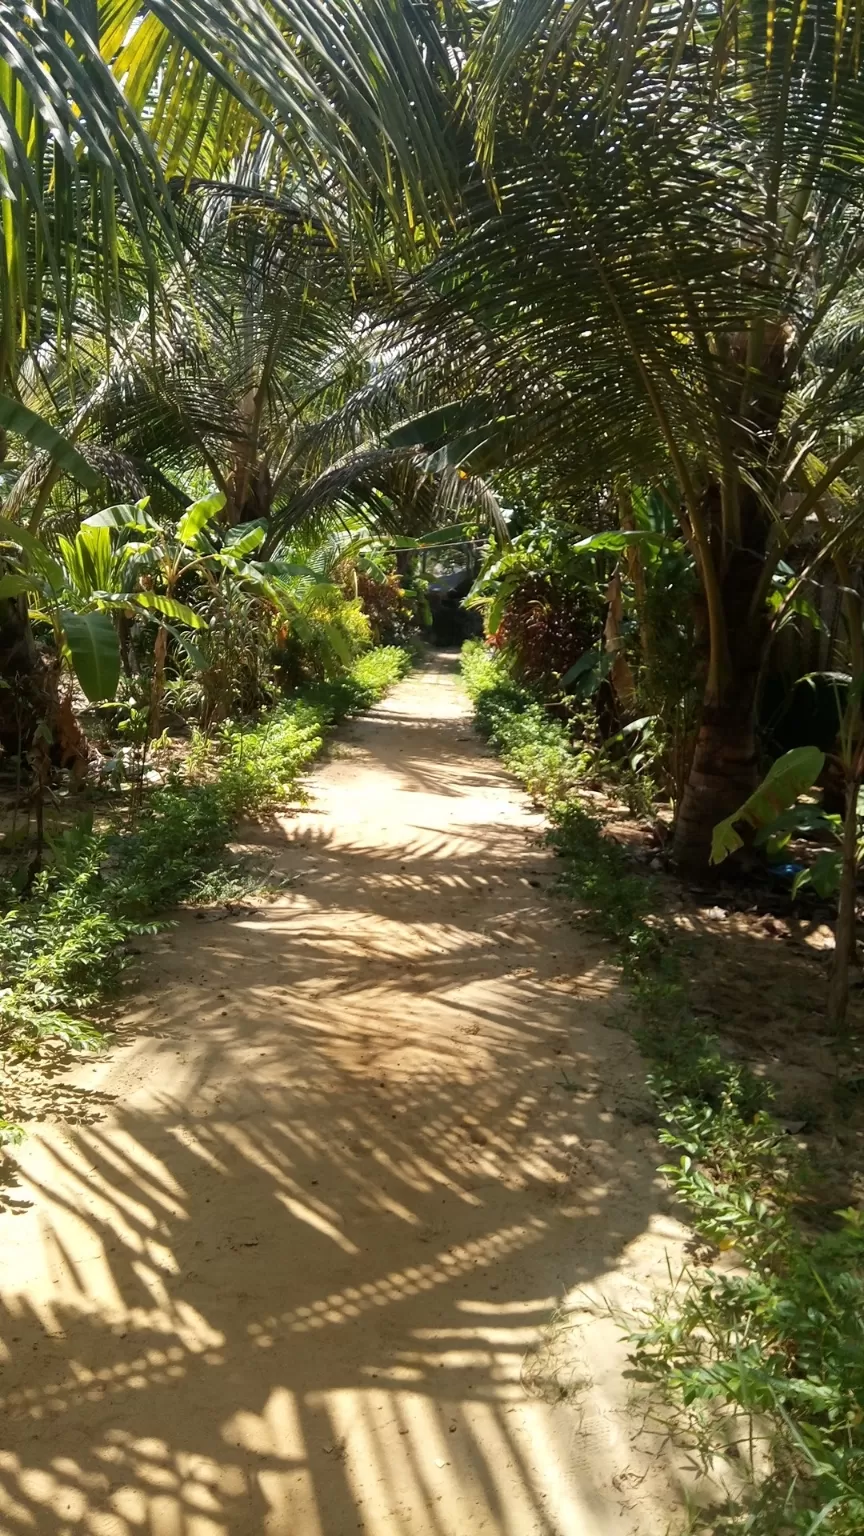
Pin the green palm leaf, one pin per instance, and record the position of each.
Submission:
(39, 433)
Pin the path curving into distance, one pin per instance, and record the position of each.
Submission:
(370, 1154)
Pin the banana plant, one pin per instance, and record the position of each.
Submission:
(216, 560)
(189, 549)
(81, 592)
(773, 814)
(164, 558)
(219, 561)
(791, 776)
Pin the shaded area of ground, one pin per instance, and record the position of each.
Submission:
(304, 1277)
(758, 964)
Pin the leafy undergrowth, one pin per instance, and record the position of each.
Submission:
(772, 1345)
(64, 946)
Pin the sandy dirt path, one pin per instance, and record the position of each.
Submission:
(359, 1145)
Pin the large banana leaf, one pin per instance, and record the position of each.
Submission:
(95, 653)
(96, 555)
(792, 775)
(154, 602)
(245, 538)
(624, 538)
(90, 562)
(501, 599)
(198, 516)
(125, 515)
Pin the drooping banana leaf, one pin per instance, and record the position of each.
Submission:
(253, 575)
(243, 539)
(198, 516)
(95, 653)
(502, 597)
(126, 514)
(154, 602)
(170, 607)
(792, 775)
(624, 538)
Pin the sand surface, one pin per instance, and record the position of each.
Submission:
(369, 1154)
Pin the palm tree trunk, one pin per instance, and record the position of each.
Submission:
(722, 774)
(636, 574)
(844, 936)
(124, 641)
(24, 692)
(723, 771)
(157, 684)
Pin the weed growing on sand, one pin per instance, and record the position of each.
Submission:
(778, 1341)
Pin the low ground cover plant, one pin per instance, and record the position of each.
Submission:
(774, 1347)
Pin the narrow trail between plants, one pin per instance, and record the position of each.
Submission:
(370, 1154)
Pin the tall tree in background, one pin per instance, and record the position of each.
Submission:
(659, 249)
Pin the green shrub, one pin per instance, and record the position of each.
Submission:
(262, 765)
(534, 746)
(378, 670)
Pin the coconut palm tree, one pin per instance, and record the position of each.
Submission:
(106, 108)
(656, 255)
(271, 372)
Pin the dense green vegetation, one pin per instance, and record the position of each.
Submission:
(314, 317)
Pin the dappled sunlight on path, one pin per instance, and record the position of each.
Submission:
(301, 1279)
